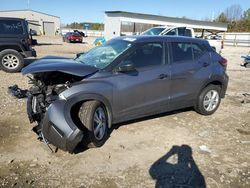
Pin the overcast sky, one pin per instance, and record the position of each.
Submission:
(93, 10)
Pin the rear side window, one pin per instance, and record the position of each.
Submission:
(188, 33)
(181, 52)
(11, 27)
(198, 50)
(181, 31)
(149, 54)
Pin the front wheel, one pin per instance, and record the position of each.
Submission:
(93, 116)
(208, 100)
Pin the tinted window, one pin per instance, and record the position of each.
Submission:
(181, 52)
(198, 50)
(188, 33)
(11, 27)
(76, 34)
(149, 54)
(181, 31)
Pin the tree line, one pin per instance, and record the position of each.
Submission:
(93, 26)
(237, 19)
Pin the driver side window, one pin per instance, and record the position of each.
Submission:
(149, 54)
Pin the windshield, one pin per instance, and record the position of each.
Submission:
(154, 31)
(101, 56)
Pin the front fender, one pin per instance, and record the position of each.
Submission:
(91, 90)
(82, 96)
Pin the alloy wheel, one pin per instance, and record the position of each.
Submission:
(10, 61)
(211, 100)
(100, 123)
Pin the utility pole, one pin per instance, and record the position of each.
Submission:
(212, 16)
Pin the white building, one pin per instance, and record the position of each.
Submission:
(43, 23)
(118, 22)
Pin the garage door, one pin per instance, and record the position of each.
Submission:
(49, 28)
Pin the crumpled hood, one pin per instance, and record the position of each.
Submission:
(61, 64)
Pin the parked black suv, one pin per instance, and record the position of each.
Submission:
(15, 44)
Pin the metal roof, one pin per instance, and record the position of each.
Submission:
(164, 20)
(29, 10)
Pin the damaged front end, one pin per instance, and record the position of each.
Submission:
(45, 107)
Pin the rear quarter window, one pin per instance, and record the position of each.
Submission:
(11, 27)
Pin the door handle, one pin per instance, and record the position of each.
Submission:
(205, 64)
(162, 76)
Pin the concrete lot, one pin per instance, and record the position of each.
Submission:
(164, 148)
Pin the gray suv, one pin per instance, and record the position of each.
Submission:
(78, 100)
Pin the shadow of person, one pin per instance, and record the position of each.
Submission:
(177, 169)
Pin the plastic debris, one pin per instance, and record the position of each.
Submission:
(17, 92)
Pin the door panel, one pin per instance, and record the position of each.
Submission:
(142, 92)
(145, 90)
(187, 74)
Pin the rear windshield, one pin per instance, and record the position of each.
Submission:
(11, 27)
(76, 34)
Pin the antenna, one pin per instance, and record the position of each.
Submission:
(28, 4)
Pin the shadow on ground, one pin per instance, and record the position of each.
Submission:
(177, 168)
(29, 61)
(47, 44)
(118, 125)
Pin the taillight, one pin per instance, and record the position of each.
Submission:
(223, 62)
(222, 44)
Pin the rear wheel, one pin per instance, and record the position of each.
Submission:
(11, 60)
(94, 117)
(208, 100)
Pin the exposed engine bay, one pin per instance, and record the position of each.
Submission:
(44, 91)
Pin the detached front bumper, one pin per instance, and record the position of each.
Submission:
(57, 126)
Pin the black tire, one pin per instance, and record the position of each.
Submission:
(200, 106)
(17, 59)
(86, 115)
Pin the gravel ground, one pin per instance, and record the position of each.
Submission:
(180, 147)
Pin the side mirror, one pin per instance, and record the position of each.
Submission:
(79, 54)
(126, 68)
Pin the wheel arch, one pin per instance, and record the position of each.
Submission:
(11, 47)
(78, 101)
(217, 82)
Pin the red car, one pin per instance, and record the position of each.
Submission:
(72, 37)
